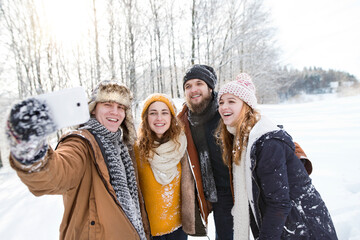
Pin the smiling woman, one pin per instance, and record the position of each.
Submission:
(66, 21)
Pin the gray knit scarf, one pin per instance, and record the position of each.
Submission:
(197, 122)
(121, 171)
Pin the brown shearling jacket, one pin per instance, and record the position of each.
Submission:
(77, 170)
(203, 204)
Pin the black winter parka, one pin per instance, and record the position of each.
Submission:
(285, 203)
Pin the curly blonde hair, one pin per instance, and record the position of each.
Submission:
(147, 139)
(233, 144)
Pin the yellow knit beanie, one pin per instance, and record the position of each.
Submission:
(159, 97)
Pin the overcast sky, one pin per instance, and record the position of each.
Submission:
(321, 33)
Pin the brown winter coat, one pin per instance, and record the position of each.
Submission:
(203, 204)
(77, 171)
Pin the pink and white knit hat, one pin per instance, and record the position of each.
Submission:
(242, 87)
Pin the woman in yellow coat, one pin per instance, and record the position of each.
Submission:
(161, 155)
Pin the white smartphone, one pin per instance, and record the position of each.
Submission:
(69, 106)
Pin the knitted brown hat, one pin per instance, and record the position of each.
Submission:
(112, 91)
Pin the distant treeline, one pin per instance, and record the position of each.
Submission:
(313, 80)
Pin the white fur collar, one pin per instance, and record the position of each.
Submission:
(231, 130)
(263, 126)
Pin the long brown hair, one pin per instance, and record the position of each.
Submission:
(147, 139)
(233, 144)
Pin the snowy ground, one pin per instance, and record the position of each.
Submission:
(328, 130)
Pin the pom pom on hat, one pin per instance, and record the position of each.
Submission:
(243, 88)
(159, 97)
(202, 72)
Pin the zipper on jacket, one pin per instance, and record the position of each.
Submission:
(258, 196)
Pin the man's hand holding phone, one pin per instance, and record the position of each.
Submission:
(27, 127)
(33, 119)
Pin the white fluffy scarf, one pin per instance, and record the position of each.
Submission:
(263, 126)
(166, 158)
(242, 179)
(240, 210)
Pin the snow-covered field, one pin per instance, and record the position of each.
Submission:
(328, 130)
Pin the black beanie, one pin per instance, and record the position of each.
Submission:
(203, 72)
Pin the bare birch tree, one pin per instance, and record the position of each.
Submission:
(111, 38)
(156, 18)
(173, 65)
(96, 40)
(130, 15)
